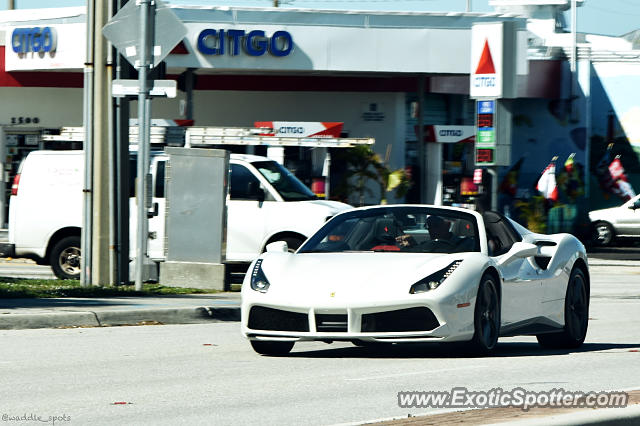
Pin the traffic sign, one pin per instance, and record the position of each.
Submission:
(123, 31)
(163, 88)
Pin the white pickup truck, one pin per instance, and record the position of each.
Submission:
(266, 203)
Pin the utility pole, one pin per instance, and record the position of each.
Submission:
(11, 4)
(275, 3)
(101, 230)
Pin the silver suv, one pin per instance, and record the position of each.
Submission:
(621, 221)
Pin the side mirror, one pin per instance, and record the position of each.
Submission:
(255, 192)
(278, 247)
(519, 250)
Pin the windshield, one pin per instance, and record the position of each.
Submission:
(397, 229)
(289, 187)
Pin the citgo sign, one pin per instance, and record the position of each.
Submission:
(37, 40)
(253, 43)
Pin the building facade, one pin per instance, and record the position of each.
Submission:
(390, 76)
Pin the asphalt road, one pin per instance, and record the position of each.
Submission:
(207, 374)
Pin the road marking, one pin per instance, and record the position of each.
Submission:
(388, 376)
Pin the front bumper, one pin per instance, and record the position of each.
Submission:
(397, 323)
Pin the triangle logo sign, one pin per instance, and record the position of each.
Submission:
(485, 64)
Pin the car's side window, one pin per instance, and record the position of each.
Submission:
(243, 184)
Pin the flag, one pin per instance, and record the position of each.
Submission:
(569, 164)
(607, 182)
(509, 184)
(569, 179)
(547, 183)
(622, 187)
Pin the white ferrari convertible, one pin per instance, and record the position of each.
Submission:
(414, 273)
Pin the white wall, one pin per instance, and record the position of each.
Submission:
(54, 107)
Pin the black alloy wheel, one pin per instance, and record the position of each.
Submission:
(486, 317)
(576, 315)
(65, 258)
(603, 233)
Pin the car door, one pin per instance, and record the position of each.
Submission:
(156, 242)
(156, 222)
(521, 287)
(246, 210)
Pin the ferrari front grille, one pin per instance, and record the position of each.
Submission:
(411, 319)
(331, 322)
(263, 318)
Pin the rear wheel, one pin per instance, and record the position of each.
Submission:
(271, 348)
(65, 258)
(486, 317)
(576, 316)
(603, 233)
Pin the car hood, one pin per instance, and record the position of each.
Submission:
(316, 276)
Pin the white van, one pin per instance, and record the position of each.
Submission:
(266, 203)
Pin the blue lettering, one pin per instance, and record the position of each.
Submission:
(221, 43)
(285, 46)
(285, 130)
(48, 39)
(256, 43)
(203, 45)
(37, 40)
(484, 81)
(236, 37)
(253, 43)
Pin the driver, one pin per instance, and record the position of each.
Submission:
(442, 240)
(439, 229)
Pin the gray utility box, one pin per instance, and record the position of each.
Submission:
(196, 181)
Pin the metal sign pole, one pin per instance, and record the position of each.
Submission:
(87, 107)
(144, 122)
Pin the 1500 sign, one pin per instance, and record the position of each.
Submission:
(25, 120)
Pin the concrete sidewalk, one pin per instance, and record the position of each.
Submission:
(100, 312)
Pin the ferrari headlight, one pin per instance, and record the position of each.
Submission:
(259, 281)
(434, 280)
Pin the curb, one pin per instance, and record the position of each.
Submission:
(123, 317)
(606, 416)
(612, 262)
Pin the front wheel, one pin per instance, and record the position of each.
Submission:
(576, 316)
(65, 258)
(486, 322)
(603, 233)
(271, 348)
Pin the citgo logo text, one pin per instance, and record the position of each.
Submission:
(37, 39)
(253, 43)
